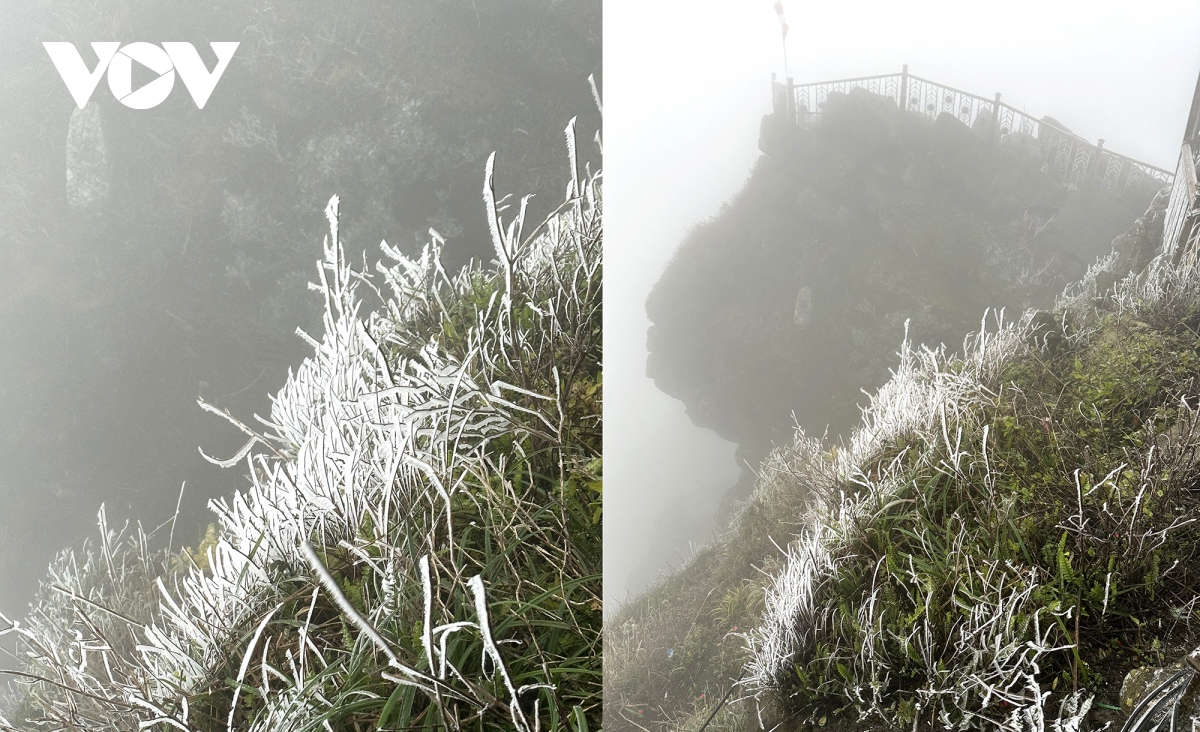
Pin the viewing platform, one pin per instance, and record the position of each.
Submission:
(1065, 156)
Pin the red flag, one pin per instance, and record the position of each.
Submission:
(782, 20)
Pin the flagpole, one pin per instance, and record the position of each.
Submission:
(784, 27)
(786, 75)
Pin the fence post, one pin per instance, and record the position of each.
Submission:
(791, 101)
(996, 120)
(1193, 124)
(1099, 153)
(904, 88)
(774, 94)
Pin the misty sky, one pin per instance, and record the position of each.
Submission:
(687, 83)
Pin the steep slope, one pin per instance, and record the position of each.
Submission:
(1007, 532)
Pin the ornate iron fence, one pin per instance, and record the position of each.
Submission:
(808, 100)
(1065, 155)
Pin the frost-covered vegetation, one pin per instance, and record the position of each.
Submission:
(419, 544)
(152, 256)
(1010, 530)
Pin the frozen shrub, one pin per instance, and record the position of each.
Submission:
(420, 540)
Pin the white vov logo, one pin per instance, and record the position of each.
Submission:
(118, 60)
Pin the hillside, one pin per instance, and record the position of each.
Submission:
(791, 299)
(1006, 536)
(1007, 533)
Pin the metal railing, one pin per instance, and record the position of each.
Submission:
(1065, 156)
(1181, 235)
(1181, 207)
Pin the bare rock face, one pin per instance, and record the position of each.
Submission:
(87, 161)
(1144, 681)
(885, 217)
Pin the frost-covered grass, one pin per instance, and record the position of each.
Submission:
(1032, 507)
(1009, 530)
(419, 544)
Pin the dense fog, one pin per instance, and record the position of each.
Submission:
(153, 257)
(689, 83)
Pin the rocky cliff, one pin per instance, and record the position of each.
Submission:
(791, 300)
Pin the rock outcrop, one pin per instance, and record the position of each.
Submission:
(791, 301)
